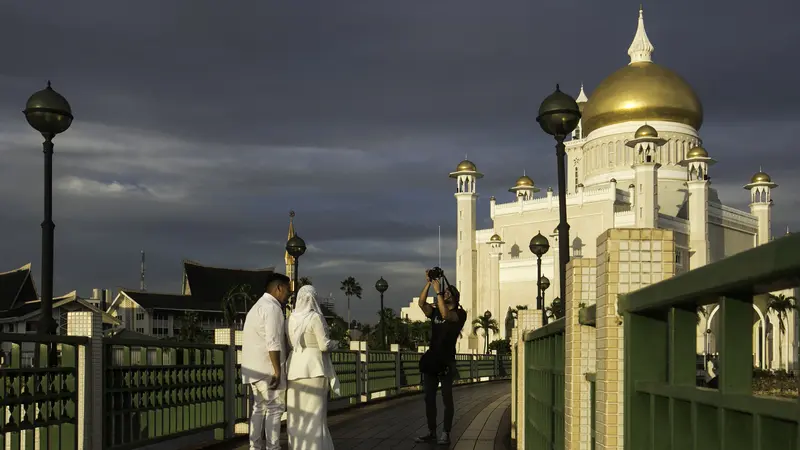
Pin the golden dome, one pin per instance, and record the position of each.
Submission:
(496, 238)
(761, 177)
(524, 181)
(645, 131)
(466, 166)
(697, 152)
(642, 90)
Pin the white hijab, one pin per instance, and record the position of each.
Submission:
(306, 308)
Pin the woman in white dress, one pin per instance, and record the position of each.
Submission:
(310, 374)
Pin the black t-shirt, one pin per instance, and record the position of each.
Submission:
(444, 334)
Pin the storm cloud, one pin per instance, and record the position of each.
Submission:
(200, 124)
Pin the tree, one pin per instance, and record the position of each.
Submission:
(555, 310)
(519, 308)
(350, 287)
(190, 329)
(486, 324)
(236, 302)
(781, 305)
(304, 281)
(503, 346)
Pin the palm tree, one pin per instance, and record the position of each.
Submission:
(190, 329)
(486, 324)
(350, 287)
(304, 281)
(781, 305)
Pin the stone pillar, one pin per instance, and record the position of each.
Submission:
(628, 259)
(579, 353)
(231, 338)
(90, 377)
(527, 320)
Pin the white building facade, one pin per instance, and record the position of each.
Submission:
(635, 161)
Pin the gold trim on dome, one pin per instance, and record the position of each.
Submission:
(642, 91)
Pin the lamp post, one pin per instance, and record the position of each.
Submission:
(48, 113)
(539, 246)
(381, 285)
(295, 247)
(488, 316)
(558, 117)
(544, 283)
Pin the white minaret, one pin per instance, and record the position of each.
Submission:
(581, 101)
(466, 195)
(646, 143)
(495, 253)
(697, 162)
(760, 188)
(524, 189)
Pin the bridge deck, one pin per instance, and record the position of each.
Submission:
(481, 422)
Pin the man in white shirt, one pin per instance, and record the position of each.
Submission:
(264, 361)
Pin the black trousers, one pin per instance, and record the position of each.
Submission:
(430, 384)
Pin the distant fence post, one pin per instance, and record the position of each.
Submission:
(227, 336)
(90, 378)
(362, 370)
(398, 368)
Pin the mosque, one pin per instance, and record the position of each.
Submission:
(636, 160)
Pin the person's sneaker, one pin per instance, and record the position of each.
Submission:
(444, 439)
(430, 437)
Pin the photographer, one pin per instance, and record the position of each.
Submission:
(438, 364)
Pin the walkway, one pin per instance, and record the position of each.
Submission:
(481, 422)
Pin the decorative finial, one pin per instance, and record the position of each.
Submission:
(48, 84)
(557, 88)
(759, 168)
(641, 49)
(291, 214)
(523, 173)
(582, 98)
(465, 156)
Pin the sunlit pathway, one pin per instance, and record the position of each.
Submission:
(481, 422)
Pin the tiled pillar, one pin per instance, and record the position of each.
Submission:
(628, 259)
(90, 377)
(224, 336)
(527, 320)
(579, 353)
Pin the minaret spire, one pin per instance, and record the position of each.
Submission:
(582, 98)
(641, 49)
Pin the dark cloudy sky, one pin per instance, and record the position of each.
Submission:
(200, 124)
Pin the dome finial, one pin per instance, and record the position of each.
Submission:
(641, 49)
(582, 98)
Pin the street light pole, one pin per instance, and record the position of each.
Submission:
(382, 285)
(48, 113)
(539, 245)
(295, 247)
(558, 116)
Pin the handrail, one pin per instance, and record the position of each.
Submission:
(778, 268)
(131, 342)
(43, 339)
(551, 328)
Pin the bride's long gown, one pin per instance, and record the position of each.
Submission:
(307, 406)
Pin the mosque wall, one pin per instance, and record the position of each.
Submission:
(725, 241)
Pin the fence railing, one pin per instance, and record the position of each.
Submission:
(39, 400)
(662, 403)
(544, 387)
(175, 389)
(157, 390)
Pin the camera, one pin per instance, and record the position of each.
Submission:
(435, 273)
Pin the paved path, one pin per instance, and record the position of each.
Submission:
(480, 422)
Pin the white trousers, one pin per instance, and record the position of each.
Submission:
(268, 406)
(307, 414)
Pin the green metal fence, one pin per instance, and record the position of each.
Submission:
(36, 396)
(159, 390)
(544, 387)
(663, 407)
